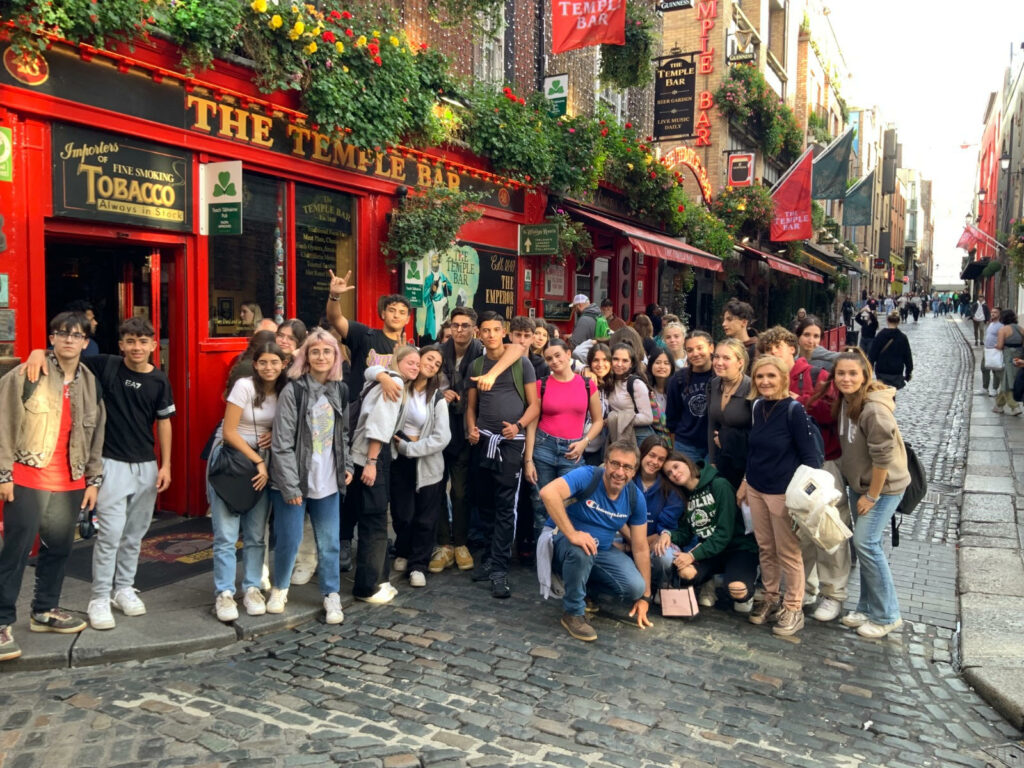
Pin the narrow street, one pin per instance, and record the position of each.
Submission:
(447, 676)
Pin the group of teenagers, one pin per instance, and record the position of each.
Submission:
(627, 464)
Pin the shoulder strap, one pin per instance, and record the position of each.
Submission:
(477, 366)
(517, 379)
(586, 394)
(543, 386)
(630, 381)
(595, 480)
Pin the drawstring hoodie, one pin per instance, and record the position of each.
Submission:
(874, 440)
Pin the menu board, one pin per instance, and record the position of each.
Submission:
(324, 225)
(497, 288)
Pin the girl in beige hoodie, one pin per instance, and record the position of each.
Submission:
(874, 463)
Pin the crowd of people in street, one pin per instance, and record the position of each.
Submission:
(628, 459)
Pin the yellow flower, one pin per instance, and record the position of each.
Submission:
(311, 48)
(344, 69)
(297, 30)
(360, 41)
(376, 33)
(393, 40)
(260, 6)
(629, 166)
(276, 21)
(340, 46)
(316, 32)
(295, 8)
(310, 8)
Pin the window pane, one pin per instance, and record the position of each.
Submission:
(247, 270)
(325, 229)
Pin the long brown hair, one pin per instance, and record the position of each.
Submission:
(434, 382)
(270, 348)
(691, 465)
(854, 402)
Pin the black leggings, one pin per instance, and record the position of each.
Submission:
(414, 514)
(738, 565)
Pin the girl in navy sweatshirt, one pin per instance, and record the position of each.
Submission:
(780, 441)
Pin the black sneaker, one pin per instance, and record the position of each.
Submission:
(482, 571)
(345, 555)
(8, 648)
(58, 621)
(500, 588)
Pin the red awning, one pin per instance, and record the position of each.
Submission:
(787, 267)
(653, 244)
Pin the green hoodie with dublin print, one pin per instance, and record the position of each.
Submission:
(711, 515)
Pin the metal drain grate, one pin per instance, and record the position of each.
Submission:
(1011, 754)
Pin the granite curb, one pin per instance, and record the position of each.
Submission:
(990, 567)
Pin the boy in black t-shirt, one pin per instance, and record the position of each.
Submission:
(496, 423)
(135, 394)
(369, 346)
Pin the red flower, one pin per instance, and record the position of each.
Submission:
(604, 131)
(681, 208)
(328, 36)
(423, 46)
(335, 15)
(506, 90)
(377, 60)
(346, 15)
(602, 122)
(629, 125)
(522, 100)
(349, 32)
(373, 48)
(654, 175)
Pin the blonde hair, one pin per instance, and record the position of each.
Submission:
(780, 365)
(738, 349)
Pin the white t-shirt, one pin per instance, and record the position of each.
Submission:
(323, 474)
(253, 421)
(415, 413)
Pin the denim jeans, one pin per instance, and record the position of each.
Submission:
(325, 516)
(226, 527)
(550, 462)
(662, 569)
(696, 453)
(877, 592)
(611, 571)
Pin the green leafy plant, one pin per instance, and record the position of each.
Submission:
(818, 129)
(428, 221)
(629, 65)
(483, 16)
(573, 239)
(746, 211)
(704, 230)
(746, 98)
(515, 132)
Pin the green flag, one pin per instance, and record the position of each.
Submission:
(830, 169)
(857, 208)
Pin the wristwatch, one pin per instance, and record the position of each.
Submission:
(649, 599)
(520, 427)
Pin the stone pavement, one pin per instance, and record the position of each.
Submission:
(991, 569)
(447, 676)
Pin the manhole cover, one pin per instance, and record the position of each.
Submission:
(1008, 754)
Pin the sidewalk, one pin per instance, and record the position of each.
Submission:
(179, 619)
(990, 567)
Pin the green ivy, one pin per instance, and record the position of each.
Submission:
(428, 222)
(629, 65)
(746, 98)
(744, 210)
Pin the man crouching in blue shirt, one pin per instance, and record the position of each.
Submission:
(602, 500)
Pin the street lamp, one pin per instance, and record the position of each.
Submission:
(981, 195)
(1004, 162)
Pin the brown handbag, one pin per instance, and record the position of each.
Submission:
(678, 602)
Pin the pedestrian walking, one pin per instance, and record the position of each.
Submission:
(890, 354)
(1009, 340)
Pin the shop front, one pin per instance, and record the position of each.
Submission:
(199, 202)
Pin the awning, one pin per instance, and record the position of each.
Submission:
(973, 270)
(652, 243)
(787, 267)
(821, 264)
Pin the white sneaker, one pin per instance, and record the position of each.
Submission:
(100, 616)
(265, 578)
(126, 601)
(997, 409)
(401, 564)
(1015, 411)
(827, 610)
(302, 573)
(384, 594)
(225, 606)
(417, 579)
(809, 599)
(332, 606)
(877, 631)
(278, 599)
(854, 619)
(254, 603)
(707, 597)
(745, 607)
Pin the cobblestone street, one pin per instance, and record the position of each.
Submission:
(447, 676)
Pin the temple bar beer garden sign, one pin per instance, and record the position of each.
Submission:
(675, 88)
(106, 177)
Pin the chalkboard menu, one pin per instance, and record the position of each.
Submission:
(324, 225)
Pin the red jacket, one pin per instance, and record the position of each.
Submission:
(802, 386)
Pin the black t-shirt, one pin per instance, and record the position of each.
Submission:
(134, 401)
(369, 346)
(502, 402)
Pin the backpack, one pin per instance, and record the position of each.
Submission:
(586, 393)
(912, 496)
(595, 480)
(477, 369)
(630, 381)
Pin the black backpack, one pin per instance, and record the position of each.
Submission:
(913, 495)
(595, 480)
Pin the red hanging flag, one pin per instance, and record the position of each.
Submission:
(579, 23)
(792, 198)
(967, 240)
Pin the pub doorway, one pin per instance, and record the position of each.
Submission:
(129, 279)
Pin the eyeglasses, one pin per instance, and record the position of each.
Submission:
(618, 465)
(73, 335)
(461, 326)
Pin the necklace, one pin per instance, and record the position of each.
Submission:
(727, 394)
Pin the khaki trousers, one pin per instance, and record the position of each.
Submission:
(778, 546)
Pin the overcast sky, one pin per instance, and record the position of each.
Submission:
(930, 67)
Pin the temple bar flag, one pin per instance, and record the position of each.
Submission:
(857, 209)
(830, 168)
(579, 23)
(792, 198)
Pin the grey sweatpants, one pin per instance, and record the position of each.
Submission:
(124, 511)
